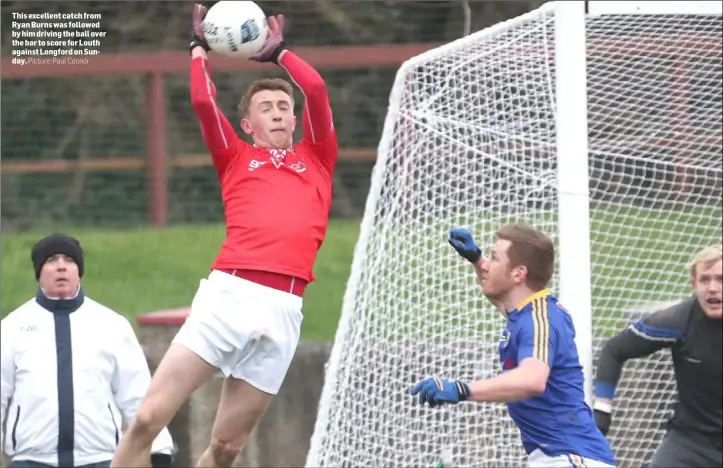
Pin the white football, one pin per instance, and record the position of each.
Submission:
(235, 29)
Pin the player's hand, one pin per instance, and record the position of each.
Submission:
(603, 420)
(274, 44)
(436, 392)
(197, 37)
(462, 241)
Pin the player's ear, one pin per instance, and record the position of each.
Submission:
(246, 127)
(520, 274)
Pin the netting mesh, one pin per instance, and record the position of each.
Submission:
(470, 141)
(655, 122)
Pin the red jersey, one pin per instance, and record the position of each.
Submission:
(276, 202)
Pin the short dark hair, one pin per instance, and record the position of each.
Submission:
(532, 249)
(264, 84)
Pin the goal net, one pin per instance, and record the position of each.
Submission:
(470, 140)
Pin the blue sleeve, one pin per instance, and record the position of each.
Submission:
(660, 327)
(536, 338)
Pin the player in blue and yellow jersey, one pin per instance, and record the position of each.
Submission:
(542, 380)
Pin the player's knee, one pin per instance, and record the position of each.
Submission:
(224, 452)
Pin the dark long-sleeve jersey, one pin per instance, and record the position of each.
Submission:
(695, 343)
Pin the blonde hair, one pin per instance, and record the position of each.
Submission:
(710, 254)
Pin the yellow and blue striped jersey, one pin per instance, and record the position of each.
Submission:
(558, 421)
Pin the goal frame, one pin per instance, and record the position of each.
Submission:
(575, 285)
(571, 106)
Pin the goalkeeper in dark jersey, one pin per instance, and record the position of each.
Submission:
(692, 330)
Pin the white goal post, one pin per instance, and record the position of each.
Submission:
(600, 127)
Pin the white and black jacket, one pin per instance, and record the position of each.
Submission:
(72, 372)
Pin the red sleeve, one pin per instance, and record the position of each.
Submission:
(316, 121)
(218, 134)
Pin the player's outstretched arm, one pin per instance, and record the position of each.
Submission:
(218, 134)
(527, 380)
(316, 118)
(536, 342)
(659, 330)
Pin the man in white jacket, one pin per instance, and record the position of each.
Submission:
(72, 370)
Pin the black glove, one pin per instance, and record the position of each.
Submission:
(603, 421)
(197, 38)
(161, 460)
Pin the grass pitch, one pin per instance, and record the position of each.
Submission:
(140, 271)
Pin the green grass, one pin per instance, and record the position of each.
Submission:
(140, 271)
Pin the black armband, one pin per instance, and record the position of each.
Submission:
(161, 460)
(275, 54)
(196, 42)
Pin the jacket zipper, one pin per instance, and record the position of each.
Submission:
(115, 426)
(15, 428)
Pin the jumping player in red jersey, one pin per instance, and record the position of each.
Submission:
(246, 316)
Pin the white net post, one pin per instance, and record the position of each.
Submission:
(654, 119)
(572, 177)
(472, 139)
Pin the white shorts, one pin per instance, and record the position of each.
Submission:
(246, 330)
(537, 459)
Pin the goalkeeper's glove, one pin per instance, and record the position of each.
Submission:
(603, 417)
(436, 391)
(197, 37)
(274, 44)
(462, 241)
